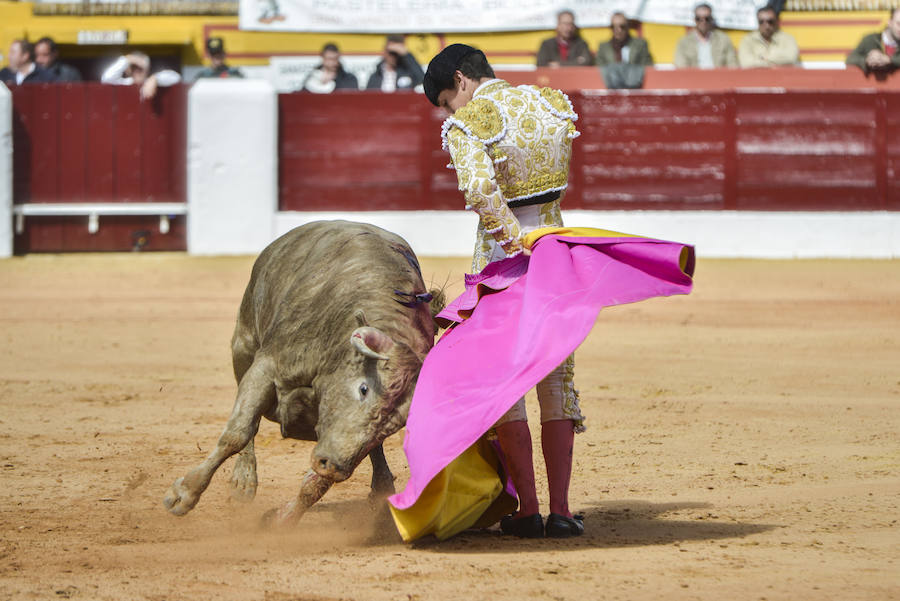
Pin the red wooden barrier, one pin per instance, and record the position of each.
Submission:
(93, 143)
(736, 150)
(710, 80)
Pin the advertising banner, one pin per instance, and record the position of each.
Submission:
(453, 16)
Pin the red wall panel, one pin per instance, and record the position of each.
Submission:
(101, 143)
(353, 151)
(73, 142)
(95, 143)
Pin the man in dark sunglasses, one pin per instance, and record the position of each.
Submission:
(705, 46)
(768, 46)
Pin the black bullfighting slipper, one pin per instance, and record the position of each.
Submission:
(529, 526)
(559, 526)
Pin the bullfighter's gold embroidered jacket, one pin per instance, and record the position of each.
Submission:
(507, 144)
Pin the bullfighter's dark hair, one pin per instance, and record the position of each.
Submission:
(441, 70)
(475, 66)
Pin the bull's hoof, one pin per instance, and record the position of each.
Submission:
(279, 517)
(243, 484)
(180, 500)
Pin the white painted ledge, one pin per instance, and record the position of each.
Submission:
(715, 234)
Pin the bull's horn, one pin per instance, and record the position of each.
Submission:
(369, 341)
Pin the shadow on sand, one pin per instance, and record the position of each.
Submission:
(611, 524)
(629, 523)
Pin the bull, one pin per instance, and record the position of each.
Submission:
(330, 337)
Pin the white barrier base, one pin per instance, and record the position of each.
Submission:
(715, 234)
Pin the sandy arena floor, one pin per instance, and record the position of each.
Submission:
(743, 443)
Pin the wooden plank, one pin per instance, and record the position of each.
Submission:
(43, 129)
(101, 143)
(73, 142)
(128, 141)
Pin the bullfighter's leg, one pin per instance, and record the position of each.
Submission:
(243, 476)
(311, 490)
(256, 393)
(382, 478)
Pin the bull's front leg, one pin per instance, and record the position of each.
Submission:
(243, 476)
(311, 490)
(256, 393)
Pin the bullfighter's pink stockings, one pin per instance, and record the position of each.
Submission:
(557, 440)
(515, 441)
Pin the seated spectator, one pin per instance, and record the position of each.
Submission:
(46, 55)
(330, 75)
(134, 69)
(705, 46)
(623, 48)
(878, 52)
(218, 69)
(768, 46)
(22, 68)
(398, 70)
(567, 48)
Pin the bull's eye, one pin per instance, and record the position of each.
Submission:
(363, 389)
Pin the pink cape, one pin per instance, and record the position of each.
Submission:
(517, 320)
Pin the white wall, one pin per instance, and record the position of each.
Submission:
(6, 224)
(232, 171)
(715, 234)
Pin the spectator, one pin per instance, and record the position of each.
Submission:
(623, 48)
(705, 46)
(46, 55)
(768, 46)
(216, 49)
(134, 68)
(568, 48)
(878, 52)
(398, 70)
(22, 68)
(330, 75)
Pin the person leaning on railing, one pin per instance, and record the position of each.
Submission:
(878, 52)
(134, 69)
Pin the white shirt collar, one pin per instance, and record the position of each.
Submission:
(20, 77)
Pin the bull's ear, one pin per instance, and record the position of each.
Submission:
(360, 318)
(371, 342)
